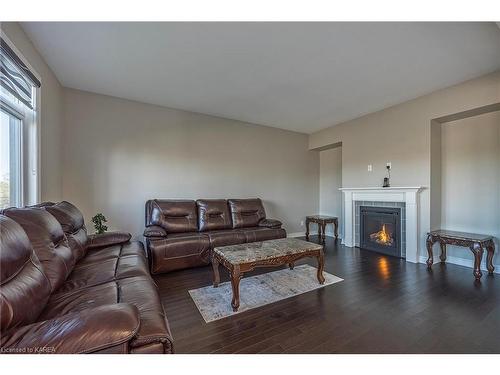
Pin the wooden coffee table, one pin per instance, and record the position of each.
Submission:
(239, 259)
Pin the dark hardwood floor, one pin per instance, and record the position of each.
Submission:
(384, 305)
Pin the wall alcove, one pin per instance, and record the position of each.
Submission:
(465, 176)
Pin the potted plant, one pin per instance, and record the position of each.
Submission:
(99, 221)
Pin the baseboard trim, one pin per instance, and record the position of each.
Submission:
(302, 234)
(462, 262)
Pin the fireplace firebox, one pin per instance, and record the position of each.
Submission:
(380, 229)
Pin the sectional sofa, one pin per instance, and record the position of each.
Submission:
(182, 233)
(63, 291)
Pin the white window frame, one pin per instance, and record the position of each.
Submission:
(30, 136)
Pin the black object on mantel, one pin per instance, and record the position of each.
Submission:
(386, 179)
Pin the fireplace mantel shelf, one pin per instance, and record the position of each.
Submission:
(408, 195)
(392, 188)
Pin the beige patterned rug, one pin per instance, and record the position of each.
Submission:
(255, 291)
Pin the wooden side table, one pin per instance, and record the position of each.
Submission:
(322, 221)
(475, 242)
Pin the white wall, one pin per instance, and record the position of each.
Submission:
(470, 179)
(51, 111)
(402, 135)
(330, 180)
(119, 153)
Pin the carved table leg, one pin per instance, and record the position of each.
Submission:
(215, 267)
(321, 265)
(235, 283)
(291, 265)
(307, 229)
(443, 251)
(490, 248)
(477, 249)
(336, 229)
(319, 230)
(429, 243)
(323, 234)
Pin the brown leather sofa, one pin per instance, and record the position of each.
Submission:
(64, 291)
(182, 233)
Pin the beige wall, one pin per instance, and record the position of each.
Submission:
(51, 111)
(119, 153)
(330, 180)
(402, 135)
(470, 179)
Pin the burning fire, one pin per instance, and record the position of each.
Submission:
(382, 237)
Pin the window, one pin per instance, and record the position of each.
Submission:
(18, 129)
(10, 160)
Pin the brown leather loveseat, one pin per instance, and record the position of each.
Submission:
(182, 233)
(63, 291)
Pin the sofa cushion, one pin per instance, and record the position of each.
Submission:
(25, 289)
(138, 291)
(246, 212)
(49, 242)
(175, 216)
(262, 234)
(72, 223)
(92, 274)
(213, 214)
(112, 252)
(225, 238)
(70, 217)
(178, 251)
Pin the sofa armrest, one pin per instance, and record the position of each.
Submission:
(155, 231)
(107, 239)
(87, 331)
(270, 223)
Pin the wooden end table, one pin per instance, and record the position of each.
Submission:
(239, 259)
(322, 221)
(475, 242)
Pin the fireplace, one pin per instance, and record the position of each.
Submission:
(380, 229)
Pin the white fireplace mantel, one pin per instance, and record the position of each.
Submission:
(408, 195)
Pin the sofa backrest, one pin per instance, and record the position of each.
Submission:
(246, 212)
(213, 214)
(25, 288)
(48, 240)
(175, 216)
(73, 225)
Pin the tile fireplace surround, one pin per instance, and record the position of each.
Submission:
(407, 195)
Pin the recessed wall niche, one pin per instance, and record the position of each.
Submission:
(465, 175)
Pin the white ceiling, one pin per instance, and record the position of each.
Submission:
(297, 76)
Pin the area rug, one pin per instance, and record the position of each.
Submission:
(255, 291)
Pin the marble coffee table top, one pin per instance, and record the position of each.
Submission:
(257, 251)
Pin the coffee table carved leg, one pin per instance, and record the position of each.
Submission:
(429, 244)
(235, 283)
(291, 265)
(307, 229)
(321, 265)
(336, 229)
(442, 257)
(319, 231)
(215, 266)
(477, 249)
(490, 248)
